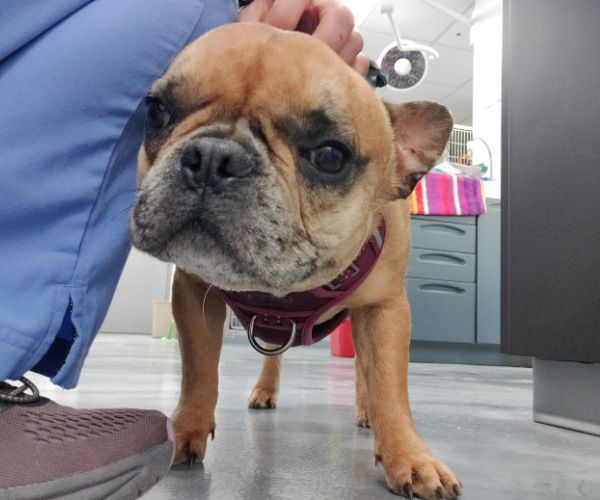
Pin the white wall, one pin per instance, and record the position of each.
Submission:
(486, 36)
(144, 279)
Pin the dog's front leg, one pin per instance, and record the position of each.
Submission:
(381, 337)
(200, 315)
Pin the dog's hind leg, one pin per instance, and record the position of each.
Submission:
(200, 315)
(265, 392)
(362, 396)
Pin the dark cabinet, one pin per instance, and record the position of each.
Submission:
(551, 180)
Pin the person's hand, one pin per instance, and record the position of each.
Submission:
(327, 20)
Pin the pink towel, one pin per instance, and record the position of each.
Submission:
(444, 194)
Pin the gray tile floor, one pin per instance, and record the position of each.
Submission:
(477, 419)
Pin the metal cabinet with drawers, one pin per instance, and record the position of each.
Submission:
(442, 279)
(453, 285)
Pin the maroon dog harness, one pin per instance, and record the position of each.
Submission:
(290, 321)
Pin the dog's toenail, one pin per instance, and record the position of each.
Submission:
(192, 459)
(407, 490)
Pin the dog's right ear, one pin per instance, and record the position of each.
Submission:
(421, 131)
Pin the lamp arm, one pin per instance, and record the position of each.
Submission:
(387, 8)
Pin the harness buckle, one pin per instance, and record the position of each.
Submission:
(270, 352)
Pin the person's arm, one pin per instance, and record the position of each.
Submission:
(328, 20)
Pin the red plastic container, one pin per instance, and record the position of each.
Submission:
(341, 341)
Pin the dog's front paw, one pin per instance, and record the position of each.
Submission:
(191, 435)
(420, 474)
(262, 399)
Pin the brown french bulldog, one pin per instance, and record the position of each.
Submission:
(267, 166)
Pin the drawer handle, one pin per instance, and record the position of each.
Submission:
(443, 228)
(442, 258)
(439, 288)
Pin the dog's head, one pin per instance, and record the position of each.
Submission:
(266, 160)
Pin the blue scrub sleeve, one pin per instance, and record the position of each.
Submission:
(73, 74)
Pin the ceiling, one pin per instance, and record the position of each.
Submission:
(450, 77)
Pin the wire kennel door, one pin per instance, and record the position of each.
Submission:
(456, 150)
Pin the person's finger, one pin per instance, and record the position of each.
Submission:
(286, 14)
(327, 20)
(361, 64)
(336, 27)
(352, 47)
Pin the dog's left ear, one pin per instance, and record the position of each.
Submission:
(421, 131)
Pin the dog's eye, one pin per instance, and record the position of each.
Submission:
(328, 158)
(157, 115)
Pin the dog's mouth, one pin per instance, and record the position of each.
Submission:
(229, 260)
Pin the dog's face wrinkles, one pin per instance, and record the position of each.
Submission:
(265, 161)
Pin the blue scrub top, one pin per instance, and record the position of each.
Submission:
(73, 74)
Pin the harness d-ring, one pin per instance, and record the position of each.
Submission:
(270, 352)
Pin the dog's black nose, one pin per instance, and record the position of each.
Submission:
(210, 161)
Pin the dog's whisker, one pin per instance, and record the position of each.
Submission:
(120, 212)
(210, 287)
